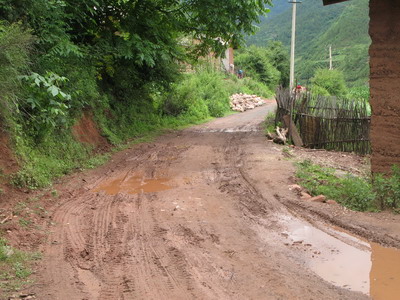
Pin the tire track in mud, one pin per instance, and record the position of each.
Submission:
(160, 268)
(113, 245)
(234, 180)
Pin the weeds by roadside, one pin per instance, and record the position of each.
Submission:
(387, 190)
(269, 123)
(15, 267)
(353, 192)
(350, 191)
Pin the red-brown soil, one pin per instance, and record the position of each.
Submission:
(204, 213)
(86, 131)
(8, 163)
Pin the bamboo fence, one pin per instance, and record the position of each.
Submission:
(327, 122)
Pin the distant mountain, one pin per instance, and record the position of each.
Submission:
(343, 25)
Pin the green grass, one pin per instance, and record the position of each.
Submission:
(352, 192)
(269, 123)
(58, 155)
(15, 267)
(356, 193)
(25, 222)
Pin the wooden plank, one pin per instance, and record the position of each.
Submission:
(293, 131)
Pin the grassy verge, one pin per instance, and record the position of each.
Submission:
(356, 193)
(15, 267)
(350, 191)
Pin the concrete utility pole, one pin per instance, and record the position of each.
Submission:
(330, 58)
(293, 44)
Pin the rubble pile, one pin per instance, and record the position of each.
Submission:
(242, 102)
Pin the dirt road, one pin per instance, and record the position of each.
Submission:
(196, 214)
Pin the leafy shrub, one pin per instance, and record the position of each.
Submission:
(279, 57)
(269, 123)
(202, 93)
(46, 104)
(331, 81)
(255, 87)
(319, 91)
(257, 64)
(356, 193)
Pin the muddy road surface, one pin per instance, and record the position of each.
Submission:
(196, 214)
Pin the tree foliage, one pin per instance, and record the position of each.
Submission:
(143, 31)
(122, 49)
(279, 57)
(258, 63)
(15, 45)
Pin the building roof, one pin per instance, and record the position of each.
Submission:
(328, 2)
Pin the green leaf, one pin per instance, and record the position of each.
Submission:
(53, 90)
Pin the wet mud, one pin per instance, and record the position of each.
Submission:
(133, 185)
(198, 214)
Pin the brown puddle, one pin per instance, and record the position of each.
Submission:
(385, 273)
(133, 185)
(347, 261)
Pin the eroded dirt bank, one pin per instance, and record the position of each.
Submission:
(203, 213)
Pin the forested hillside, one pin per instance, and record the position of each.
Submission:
(343, 25)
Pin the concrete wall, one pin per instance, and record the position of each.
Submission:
(227, 61)
(385, 83)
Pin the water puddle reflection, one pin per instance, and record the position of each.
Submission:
(346, 260)
(134, 185)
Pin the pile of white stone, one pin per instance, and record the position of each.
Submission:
(242, 102)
